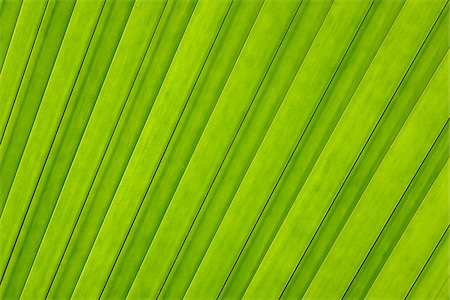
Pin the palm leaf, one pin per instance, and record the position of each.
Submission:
(224, 149)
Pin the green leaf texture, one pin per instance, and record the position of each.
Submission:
(206, 149)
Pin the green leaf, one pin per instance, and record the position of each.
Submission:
(206, 149)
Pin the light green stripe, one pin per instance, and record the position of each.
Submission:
(270, 96)
(9, 13)
(371, 156)
(15, 64)
(202, 101)
(341, 151)
(273, 153)
(139, 30)
(422, 236)
(31, 91)
(384, 190)
(69, 134)
(143, 94)
(229, 112)
(352, 68)
(59, 87)
(436, 273)
(176, 88)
